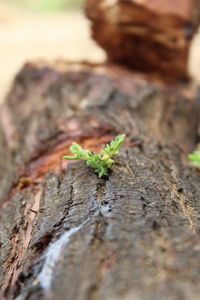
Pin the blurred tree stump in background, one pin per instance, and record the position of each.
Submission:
(153, 36)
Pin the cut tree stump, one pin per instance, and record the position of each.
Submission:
(65, 233)
(146, 35)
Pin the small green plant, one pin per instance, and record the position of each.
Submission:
(100, 162)
(194, 158)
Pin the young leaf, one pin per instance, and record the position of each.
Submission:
(194, 158)
(114, 146)
(101, 162)
(79, 153)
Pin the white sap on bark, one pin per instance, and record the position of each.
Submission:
(53, 252)
(52, 256)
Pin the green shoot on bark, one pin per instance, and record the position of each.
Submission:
(194, 158)
(101, 162)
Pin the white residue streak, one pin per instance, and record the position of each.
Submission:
(106, 210)
(52, 256)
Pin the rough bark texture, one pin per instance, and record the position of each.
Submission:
(65, 233)
(152, 36)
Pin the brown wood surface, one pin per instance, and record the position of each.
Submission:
(65, 233)
(153, 36)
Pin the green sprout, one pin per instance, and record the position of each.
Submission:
(194, 158)
(100, 162)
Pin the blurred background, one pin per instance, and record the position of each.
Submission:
(42, 29)
(51, 29)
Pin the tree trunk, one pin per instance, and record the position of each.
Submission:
(65, 233)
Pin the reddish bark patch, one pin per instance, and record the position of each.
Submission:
(53, 161)
(20, 243)
(108, 263)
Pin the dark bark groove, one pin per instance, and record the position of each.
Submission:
(65, 233)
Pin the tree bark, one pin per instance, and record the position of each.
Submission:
(65, 233)
(153, 36)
